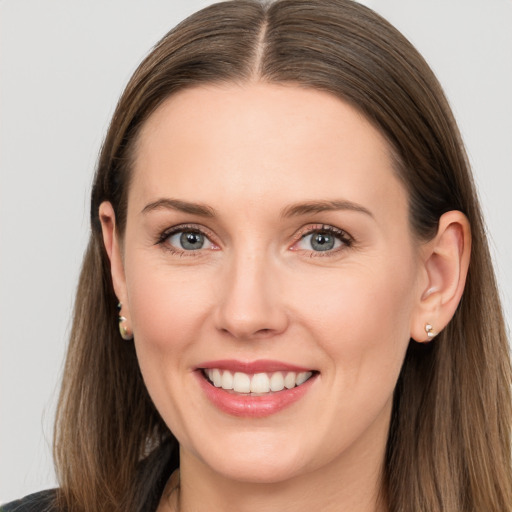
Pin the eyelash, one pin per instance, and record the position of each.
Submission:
(341, 235)
(182, 228)
(345, 239)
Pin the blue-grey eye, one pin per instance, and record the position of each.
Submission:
(189, 240)
(322, 242)
(319, 241)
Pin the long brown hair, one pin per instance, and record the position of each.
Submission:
(449, 440)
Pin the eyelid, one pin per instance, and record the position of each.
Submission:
(346, 239)
(316, 227)
(165, 234)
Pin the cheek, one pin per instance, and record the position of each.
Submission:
(168, 311)
(360, 320)
(167, 308)
(361, 317)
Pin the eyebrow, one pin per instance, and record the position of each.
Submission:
(294, 210)
(298, 209)
(182, 206)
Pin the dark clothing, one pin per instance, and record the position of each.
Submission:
(153, 474)
(37, 502)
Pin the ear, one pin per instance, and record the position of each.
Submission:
(111, 242)
(445, 262)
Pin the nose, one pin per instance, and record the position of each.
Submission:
(250, 304)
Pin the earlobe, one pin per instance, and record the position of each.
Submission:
(111, 242)
(445, 266)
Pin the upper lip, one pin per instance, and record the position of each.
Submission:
(258, 366)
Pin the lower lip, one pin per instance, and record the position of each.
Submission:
(250, 405)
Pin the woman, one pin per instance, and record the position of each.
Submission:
(286, 236)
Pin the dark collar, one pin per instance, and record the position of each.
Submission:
(152, 475)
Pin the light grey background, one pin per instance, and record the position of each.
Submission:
(63, 64)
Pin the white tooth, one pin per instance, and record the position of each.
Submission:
(277, 382)
(303, 377)
(241, 383)
(216, 378)
(289, 380)
(260, 383)
(227, 380)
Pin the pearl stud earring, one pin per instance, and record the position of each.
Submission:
(124, 331)
(430, 331)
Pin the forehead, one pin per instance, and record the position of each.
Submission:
(260, 142)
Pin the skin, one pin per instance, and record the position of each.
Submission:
(257, 290)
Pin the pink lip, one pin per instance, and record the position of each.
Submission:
(258, 366)
(250, 405)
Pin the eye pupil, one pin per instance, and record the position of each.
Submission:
(191, 240)
(322, 242)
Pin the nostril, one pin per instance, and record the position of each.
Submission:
(259, 333)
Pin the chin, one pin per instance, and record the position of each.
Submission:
(256, 459)
(267, 471)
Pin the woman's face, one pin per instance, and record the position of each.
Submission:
(267, 242)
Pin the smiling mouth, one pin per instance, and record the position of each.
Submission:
(256, 384)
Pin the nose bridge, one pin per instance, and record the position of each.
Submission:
(249, 303)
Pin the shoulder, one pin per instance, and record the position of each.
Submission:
(153, 472)
(42, 501)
